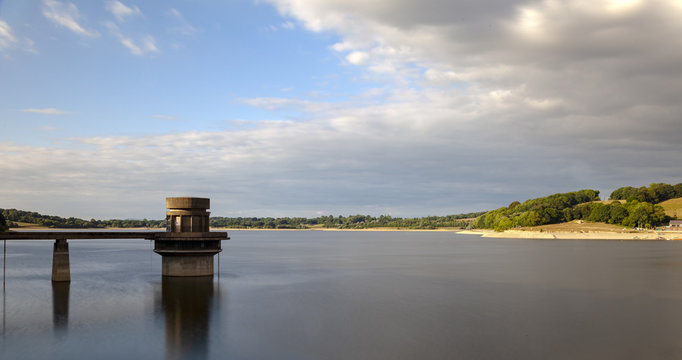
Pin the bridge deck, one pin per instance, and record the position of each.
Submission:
(148, 235)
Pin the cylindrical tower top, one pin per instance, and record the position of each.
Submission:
(187, 203)
(187, 214)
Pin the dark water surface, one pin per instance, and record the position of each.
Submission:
(350, 295)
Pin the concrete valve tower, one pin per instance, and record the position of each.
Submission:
(187, 248)
(187, 214)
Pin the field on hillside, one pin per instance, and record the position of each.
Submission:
(26, 225)
(673, 208)
(579, 226)
(609, 201)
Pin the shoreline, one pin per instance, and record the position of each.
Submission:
(454, 230)
(45, 228)
(484, 233)
(572, 235)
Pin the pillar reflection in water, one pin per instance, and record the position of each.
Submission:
(186, 303)
(60, 307)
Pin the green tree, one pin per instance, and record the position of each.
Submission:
(644, 215)
(599, 213)
(504, 224)
(660, 192)
(514, 204)
(678, 190)
(624, 193)
(3, 224)
(618, 213)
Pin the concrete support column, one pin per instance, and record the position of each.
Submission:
(182, 255)
(187, 265)
(61, 270)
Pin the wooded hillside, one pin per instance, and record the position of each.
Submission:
(640, 209)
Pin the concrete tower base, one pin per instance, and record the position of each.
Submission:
(187, 265)
(188, 254)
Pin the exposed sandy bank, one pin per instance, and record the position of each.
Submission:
(333, 229)
(592, 235)
(45, 228)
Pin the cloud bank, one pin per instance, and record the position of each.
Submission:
(482, 103)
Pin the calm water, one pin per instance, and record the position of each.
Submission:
(350, 295)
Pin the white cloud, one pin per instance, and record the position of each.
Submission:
(144, 46)
(46, 111)
(121, 11)
(623, 6)
(358, 57)
(66, 15)
(437, 77)
(342, 46)
(276, 103)
(7, 39)
(183, 27)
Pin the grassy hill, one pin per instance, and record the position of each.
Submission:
(18, 224)
(580, 226)
(585, 205)
(673, 208)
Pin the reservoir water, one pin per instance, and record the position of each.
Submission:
(350, 295)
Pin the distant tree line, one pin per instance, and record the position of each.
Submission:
(336, 222)
(345, 222)
(14, 215)
(641, 208)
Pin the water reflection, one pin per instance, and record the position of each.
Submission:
(60, 307)
(186, 303)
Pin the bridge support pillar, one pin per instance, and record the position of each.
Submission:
(61, 270)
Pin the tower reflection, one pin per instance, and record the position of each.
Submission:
(186, 303)
(60, 307)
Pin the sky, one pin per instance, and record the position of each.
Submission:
(333, 107)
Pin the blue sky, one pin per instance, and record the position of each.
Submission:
(306, 108)
(203, 64)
